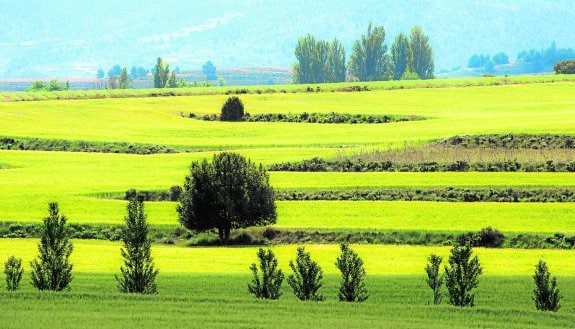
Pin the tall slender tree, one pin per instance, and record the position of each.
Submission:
(138, 274)
(52, 271)
(400, 55)
(319, 61)
(368, 57)
(336, 69)
(161, 73)
(422, 54)
(124, 79)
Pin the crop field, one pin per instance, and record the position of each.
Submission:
(206, 286)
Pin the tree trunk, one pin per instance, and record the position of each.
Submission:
(221, 235)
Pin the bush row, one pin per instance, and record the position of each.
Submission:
(486, 237)
(449, 194)
(529, 141)
(36, 144)
(318, 165)
(313, 117)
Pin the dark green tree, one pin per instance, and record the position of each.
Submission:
(368, 57)
(13, 270)
(269, 284)
(229, 192)
(52, 271)
(564, 67)
(138, 274)
(462, 276)
(161, 73)
(545, 295)
(319, 61)
(422, 54)
(305, 54)
(306, 278)
(210, 71)
(434, 279)
(124, 79)
(232, 110)
(352, 288)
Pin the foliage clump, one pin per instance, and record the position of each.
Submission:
(565, 67)
(352, 287)
(546, 294)
(232, 110)
(52, 271)
(228, 193)
(306, 278)
(13, 270)
(269, 284)
(138, 274)
(434, 278)
(462, 276)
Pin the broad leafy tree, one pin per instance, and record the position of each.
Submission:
(268, 284)
(368, 58)
(13, 270)
(422, 54)
(138, 274)
(229, 192)
(462, 276)
(52, 271)
(161, 73)
(400, 55)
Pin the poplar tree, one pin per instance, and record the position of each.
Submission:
(368, 58)
(422, 54)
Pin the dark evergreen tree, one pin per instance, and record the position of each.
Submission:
(269, 284)
(306, 278)
(545, 295)
(13, 270)
(51, 271)
(434, 279)
(138, 274)
(368, 58)
(232, 110)
(422, 54)
(462, 276)
(230, 192)
(352, 288)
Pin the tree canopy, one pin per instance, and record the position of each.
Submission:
(229, 192)
(368, 58)
(422, 54)
(319, 61)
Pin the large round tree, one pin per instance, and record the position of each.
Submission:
(229, 192)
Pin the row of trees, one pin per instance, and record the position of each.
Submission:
(319, 61)
(53, 271)
(53, 85)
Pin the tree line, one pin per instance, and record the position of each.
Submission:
(319, 61)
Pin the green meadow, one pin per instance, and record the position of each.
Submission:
(206, 286)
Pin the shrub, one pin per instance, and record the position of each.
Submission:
(565, 67)
(13, 270)
(545, 295)
(268, 286)
(306, 278)
(352, 288)
(51, 271)
(232, 110)
(462, 276)
(139, 274)
(434, 279)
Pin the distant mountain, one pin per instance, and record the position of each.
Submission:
(67, 38)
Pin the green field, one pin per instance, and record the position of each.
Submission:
(206, 286)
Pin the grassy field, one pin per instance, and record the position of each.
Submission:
(191, 294)
(207, 286)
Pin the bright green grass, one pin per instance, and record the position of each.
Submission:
(72, 179)
(206, 287)
(91, 256)
(531, 108)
